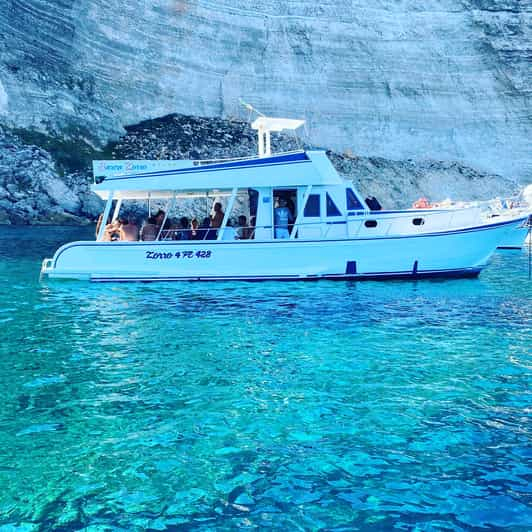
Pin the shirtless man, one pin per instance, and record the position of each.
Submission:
(218, 216)
(129, 231)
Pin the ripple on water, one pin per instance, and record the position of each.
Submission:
(286, 406)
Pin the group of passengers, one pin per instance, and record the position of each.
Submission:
(160, 227)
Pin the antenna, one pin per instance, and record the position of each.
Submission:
(250, 108)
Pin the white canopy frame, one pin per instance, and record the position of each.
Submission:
(105, 216)
(300, 212)
(227, 213)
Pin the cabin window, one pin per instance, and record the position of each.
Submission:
(312, 208)
(370, 223)
(253, 196)
(332, 209)
(418, 221)
(352, 201)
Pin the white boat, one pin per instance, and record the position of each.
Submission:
(507, 209)
(502, 209)
(332, 234)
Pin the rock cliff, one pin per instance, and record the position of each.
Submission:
(395, 79)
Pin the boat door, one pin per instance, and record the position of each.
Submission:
(282, 199)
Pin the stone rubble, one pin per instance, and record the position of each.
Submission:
(32, 190)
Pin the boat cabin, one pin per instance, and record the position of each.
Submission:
(295, 195)
(300, 190)
(320, 203)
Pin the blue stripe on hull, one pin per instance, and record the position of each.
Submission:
(461, 273)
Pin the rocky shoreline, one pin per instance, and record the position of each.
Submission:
(39, 187)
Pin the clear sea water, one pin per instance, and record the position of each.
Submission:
(256, 406)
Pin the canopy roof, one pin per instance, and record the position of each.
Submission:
(283, 170)
(267, 123)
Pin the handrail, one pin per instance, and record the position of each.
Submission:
(236, 159)
(252, 228)
(385, 228)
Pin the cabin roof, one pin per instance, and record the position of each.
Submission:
(282, 170)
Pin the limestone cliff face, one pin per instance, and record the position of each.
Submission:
(438, 79)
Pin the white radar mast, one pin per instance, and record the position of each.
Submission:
(265, 125)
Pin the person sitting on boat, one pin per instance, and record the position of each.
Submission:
(112, 229)
(230, 233)
(160, 217)
(243, 229)
(171, 230)
(129, 231)
(112, 232)
(184, 231)
(194, 229)
(421, 203)
(282, 218)
(150, 229)
(206, 231)
(217, 217)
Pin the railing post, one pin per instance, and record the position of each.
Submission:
(105, 216)
(117, 210)
(260, 133)
(228, 210)
(169, 206)
(300, 211)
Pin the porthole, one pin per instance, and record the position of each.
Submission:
(418, 221)
(370, 223)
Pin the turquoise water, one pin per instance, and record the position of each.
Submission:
(286, 406)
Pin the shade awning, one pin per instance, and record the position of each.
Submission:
(267, 123)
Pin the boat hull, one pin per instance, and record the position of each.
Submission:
(447, 254)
